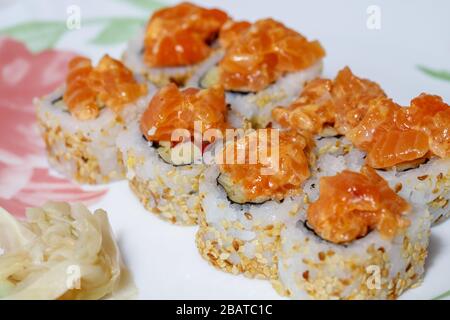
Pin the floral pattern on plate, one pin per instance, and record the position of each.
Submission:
(25, 178)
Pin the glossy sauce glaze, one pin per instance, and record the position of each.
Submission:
(90, 88)
(359, 109)
(340, 103)
(231, 31)
(279, 181)
(262, 54)
(181, 35)
(393, 135)
(352, 204)
(172, 108)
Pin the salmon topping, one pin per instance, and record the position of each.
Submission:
(359, 109)
(172, 108)
(352, 204)
(109, 84)
(393, 135)
(312, 111)
(340, 103)
(181, 35)
(261, 178)
(79, 97)
(264, 53)
(231, 31)
(431, 115)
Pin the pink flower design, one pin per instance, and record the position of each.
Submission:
(25, 179)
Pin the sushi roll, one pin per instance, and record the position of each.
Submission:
(329, 107)
(265, 65)
(409, 146)
(245, 206)
(357, 240)
(163, 168)
(177, 45)
(80, 121)
(425, 182)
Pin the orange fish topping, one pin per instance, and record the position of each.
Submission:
(431, 115)
(352, 204)
(250, 174)
(264, 53)
(181, 35)
(79, 97)
(115, 84)
(172, 109)
(393, 135)
(231, 31)
(340, 103)
(109, 84)
(360, 110)
(312, 111)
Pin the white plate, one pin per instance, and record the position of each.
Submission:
(163, 258)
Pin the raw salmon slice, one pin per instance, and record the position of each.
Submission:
(181, 35)
(264, 53)
(257, 179)
(352, 204)
(114, 84)
(231, 31)
(109, 84)
(340, 103)
(397, 146)
(80, 99)
(393, 135)
(430, 114)
(172, 108)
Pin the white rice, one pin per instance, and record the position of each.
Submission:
(367, 268)
(85, 150)
(257, 107)
(169, 191)
(241, 238)
(428, 184)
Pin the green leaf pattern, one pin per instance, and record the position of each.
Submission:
(41, 35)
(443, 296)
(437, 74)
(38, 35)
(146, 4)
